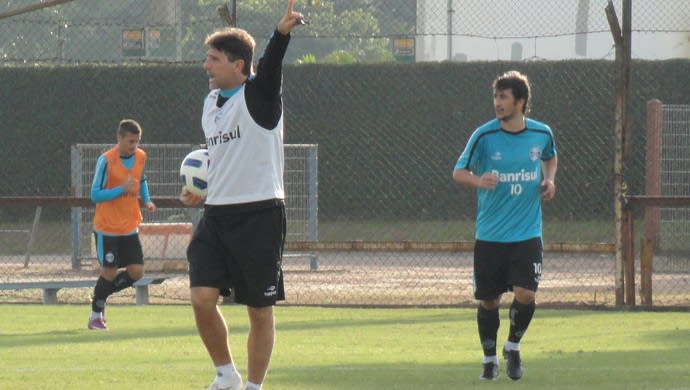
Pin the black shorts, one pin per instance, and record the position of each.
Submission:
(242, 252)
(499, 266)
(118, 251)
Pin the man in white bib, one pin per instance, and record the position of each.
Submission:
(238, 243)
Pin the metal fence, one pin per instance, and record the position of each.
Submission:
(404, 233)
(60, 245)
(668, 175)
(675, 171)
(358, 30)
(162, 170)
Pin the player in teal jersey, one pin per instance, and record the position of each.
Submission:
(511, 161)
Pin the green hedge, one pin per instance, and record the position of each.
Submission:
(388, 134)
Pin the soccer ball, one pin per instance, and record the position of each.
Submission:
(194, 172)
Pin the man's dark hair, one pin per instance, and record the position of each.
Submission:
(236, 43)
(518, 84)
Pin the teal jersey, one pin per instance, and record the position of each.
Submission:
(510, 212)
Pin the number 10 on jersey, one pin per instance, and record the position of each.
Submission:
(515, 189)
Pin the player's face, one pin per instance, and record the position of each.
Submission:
(128, 143)
(506, 106)
(223, 73)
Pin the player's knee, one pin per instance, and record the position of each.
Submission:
(108, 273)
(490, 304)
(136, 274)
(524, 296)
(204, 298)
(261, 317)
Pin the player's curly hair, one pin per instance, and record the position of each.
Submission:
(518, 83)
(236, 43)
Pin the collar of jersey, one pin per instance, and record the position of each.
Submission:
(228, 93)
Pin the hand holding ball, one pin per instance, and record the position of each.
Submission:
(194, 172)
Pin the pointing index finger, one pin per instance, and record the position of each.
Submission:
(291, 4)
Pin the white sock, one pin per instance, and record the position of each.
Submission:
(491, 359)
(253, 386)
(227, 374)
(96, 315)
(511, 346)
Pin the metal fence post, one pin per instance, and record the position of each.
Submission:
(75, 212)
(312, 202)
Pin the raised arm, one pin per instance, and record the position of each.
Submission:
(290, 20)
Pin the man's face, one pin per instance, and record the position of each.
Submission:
(505, 105)
(128, 143)
(223, 73)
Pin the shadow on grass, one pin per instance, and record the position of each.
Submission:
(663, 369)
(400, 317)
(127, 328)
(83, 336)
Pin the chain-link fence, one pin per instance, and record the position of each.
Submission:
(668, 174)
(341, 31)
(389, 90)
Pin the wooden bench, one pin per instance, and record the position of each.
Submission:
(30, 232)
(50, 288)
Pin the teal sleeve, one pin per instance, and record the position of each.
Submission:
(144, 189)
(100, 178)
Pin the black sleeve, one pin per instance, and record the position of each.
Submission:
(263, 92)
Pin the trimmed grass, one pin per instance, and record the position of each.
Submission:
(156, 347)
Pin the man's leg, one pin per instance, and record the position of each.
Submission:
(260, 342)
(101, 291)
(112, 252)
(131, 256)
(127, 277)
(488, 322)
(211, 324)
(214, 333)
(521, 313)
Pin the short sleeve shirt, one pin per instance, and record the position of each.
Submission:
(512, 211)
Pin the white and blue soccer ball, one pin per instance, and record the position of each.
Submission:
(194, 172)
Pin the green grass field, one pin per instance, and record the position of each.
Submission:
(156, 347)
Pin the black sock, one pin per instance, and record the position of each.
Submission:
(520, 317)
(101, 291)
(122, 281)
(488, 323)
